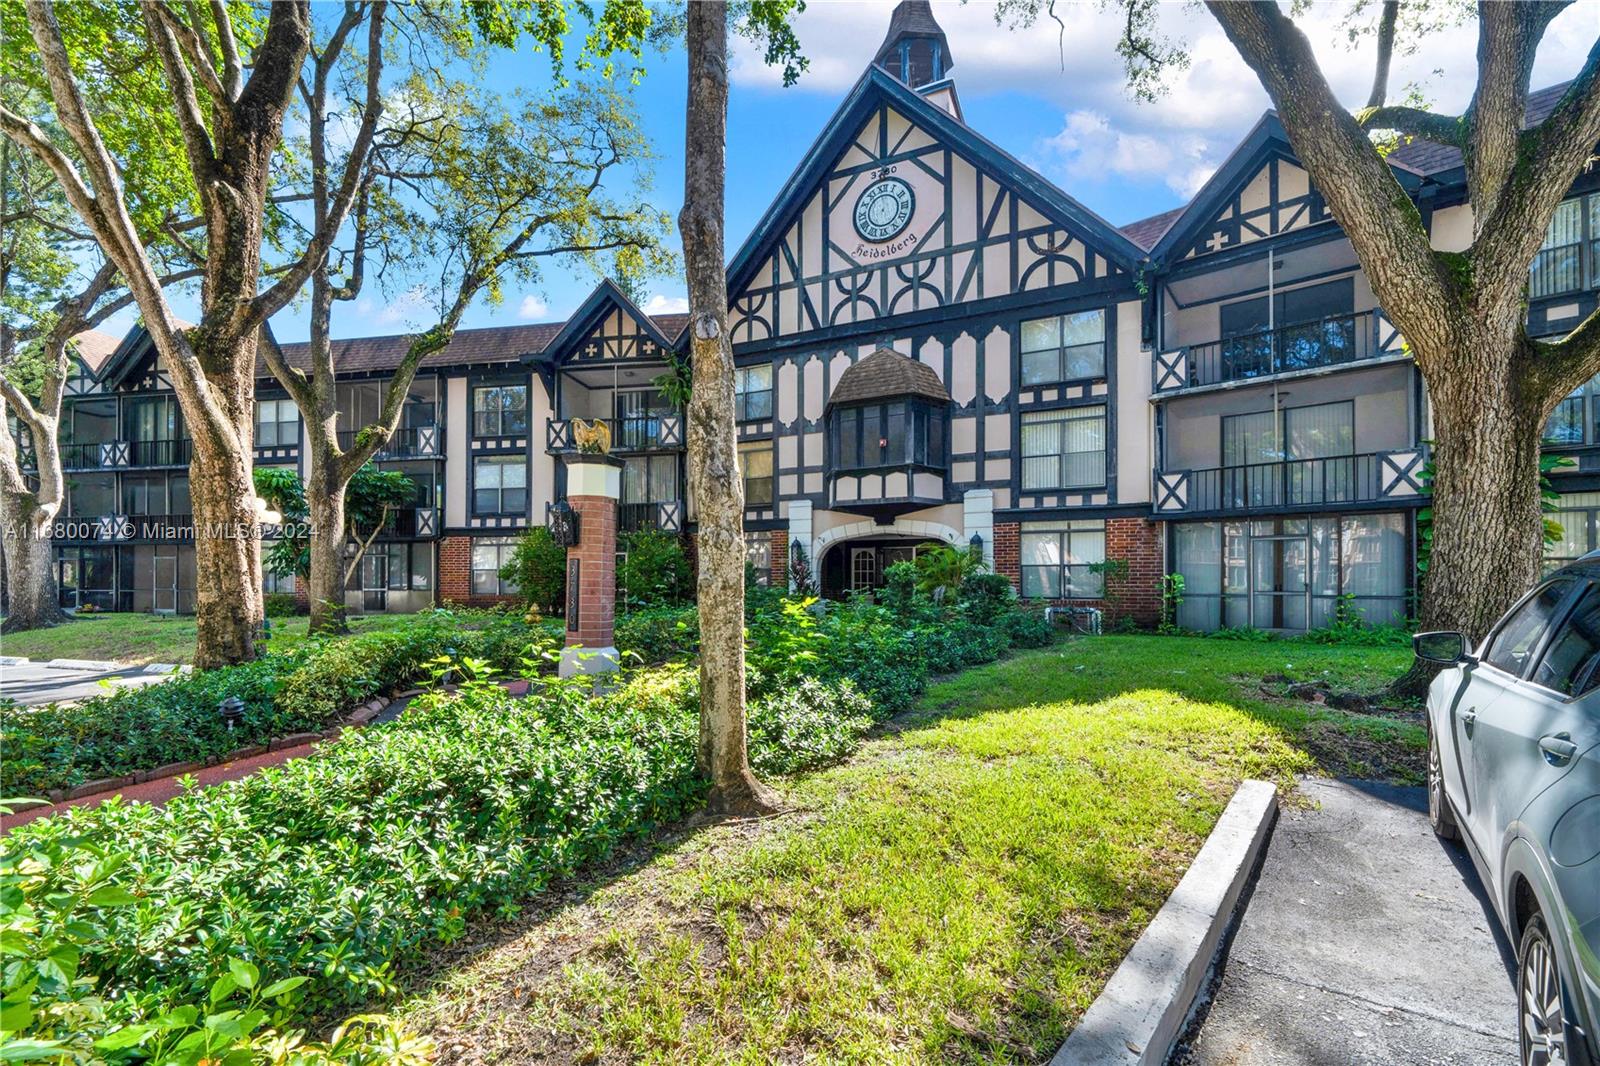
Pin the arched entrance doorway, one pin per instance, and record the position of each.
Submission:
(857, 565)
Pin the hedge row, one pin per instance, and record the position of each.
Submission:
(58, 746)
(341, 867)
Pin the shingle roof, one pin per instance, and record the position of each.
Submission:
(491, 344)
(95, 347)
(913, 18)
(885, 374)
(1147, 231)
(1426, 157)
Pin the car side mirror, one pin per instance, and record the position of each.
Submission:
(1445, 646)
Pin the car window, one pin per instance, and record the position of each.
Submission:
(1571, 664)
(1520, 632)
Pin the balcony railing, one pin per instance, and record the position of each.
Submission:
(653, 433)
(1293, 484)
(127, 527)
(665, 515)
(412, 522)
(1326, 342)
(416, 442)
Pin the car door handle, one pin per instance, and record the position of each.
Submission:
(1558, 748)
(1468, 717)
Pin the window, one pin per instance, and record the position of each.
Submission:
(276, 584)
(1571, 666)
(1064, 348)
(489, 554)
(1578, 515)
(155, 495)
(277, 424)
(1518, 636)
(1064, 449)
(752, 392)
(1576, 419)
(755, 460)
(890, 434)
(758, 553)
(1313, 325)
(1057, 561)
(499, 410)
(1558, 267)
(650, 479)
(500, 485)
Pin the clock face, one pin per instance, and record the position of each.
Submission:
(884, 209)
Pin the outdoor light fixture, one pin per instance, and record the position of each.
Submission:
(976, 542)
(232, 711)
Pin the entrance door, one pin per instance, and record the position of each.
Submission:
(1280, 593)
(863, 569)
(375, 581)
(164, 582)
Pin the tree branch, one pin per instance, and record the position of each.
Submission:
(1380, 76)
(191, 122)
(232, 68)
(288, 286)
(1440, 129)
(1359, 187)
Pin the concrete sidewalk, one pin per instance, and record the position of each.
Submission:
(63, 680)
(1367, 940)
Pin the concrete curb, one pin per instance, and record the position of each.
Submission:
(1144, 1006)
(102, 665)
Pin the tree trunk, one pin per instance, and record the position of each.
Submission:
(32, 599)
(714, 479)
(1487, 522)
(325, 502)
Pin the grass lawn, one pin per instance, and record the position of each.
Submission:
(150, 638)
(958, 892)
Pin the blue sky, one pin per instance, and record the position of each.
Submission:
(1055, 101)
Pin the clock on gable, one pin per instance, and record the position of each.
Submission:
(883, 209)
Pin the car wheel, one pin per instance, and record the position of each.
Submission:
(1440, 816)
(1541, 1008)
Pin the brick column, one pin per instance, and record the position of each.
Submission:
(1008, 552)
(455, 570)
(780, 559)
(594, 483)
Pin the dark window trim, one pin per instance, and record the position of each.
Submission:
(498, 460)
(918, 460)
(474, 384)
(1069, 413)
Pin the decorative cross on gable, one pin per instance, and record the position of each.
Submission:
(1217, 242)
(649, 347)
(590, 350)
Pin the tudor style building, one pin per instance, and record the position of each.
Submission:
(934, 344)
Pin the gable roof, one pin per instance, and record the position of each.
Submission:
(875, 87)
(1431, 160)
(1147, 231)
(887, 374)
(601, 301)
(94, 348)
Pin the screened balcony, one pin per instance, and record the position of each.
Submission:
(1289, 485)
(1331, 341)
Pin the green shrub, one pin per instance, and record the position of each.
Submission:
(654, 571)
(987, 597)
(899, 593)
(806, 725)
(659, 634)
(1028, 628)
(538, 568)
(63, 745)
(346, 865)
(280, 605)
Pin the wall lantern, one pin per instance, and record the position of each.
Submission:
(562, 521)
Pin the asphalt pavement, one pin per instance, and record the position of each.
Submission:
(1366, 940)
(38, 682)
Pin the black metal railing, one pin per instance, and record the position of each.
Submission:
(1331, 341)
(1258, 487)
(415, 442)
(646, 433)
(412, 522)
(176, 452)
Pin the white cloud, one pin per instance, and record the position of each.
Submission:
(405, 308)
(532, 306)
(659, 304)
(1192, 128)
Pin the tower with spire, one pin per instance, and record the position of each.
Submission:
(915, 49)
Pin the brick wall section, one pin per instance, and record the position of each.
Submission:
(455, 569)
(597, 576)
(1008, 552)
(1138, 540)
(455, 576)
(780, 559)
